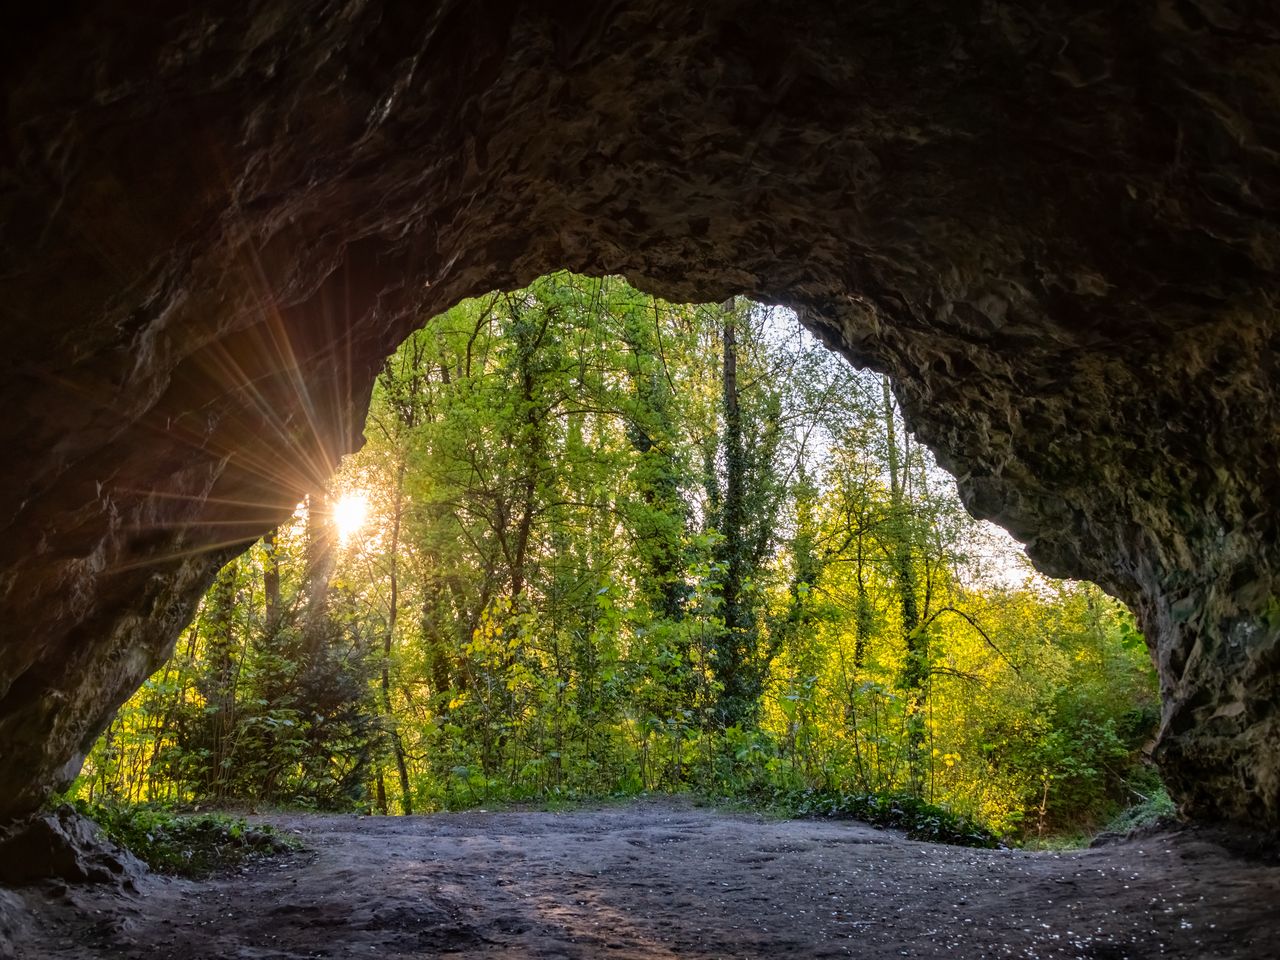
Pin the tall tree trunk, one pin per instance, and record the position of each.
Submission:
(526, 347)
(439, 661)
(271, 579)
(915, 669)
(393, 613)
(862, 609)
(219, 680)
(738, 701)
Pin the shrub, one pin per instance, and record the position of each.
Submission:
(921, 820)
(190, 845)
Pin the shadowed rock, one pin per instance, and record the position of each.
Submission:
(67, 846)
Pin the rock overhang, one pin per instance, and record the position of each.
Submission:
(1056, 228)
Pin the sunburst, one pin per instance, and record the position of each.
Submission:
(350, 514)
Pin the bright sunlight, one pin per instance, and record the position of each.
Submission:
(350, 512)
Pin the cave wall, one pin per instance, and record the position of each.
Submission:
(1055, 224)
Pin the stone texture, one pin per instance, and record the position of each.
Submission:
(67, 846)
(15, 923)
(1054, 223)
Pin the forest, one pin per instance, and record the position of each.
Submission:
(598, 545)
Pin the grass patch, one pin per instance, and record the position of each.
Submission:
(186, 844)
(1058, 843)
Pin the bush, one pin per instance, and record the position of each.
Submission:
(921, 820)
(1152, 810)
(189, 845)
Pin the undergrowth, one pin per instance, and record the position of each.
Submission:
(185, 844)
(1154, 808)
(919, 818)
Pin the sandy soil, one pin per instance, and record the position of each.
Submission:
(665, 879)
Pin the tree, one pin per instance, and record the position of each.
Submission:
(619, 544)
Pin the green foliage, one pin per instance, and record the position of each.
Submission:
(1151, 811)
(256, 705)
(617, 545)
(189, 845)
(919, 818)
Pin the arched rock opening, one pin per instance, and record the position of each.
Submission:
(1055, 226)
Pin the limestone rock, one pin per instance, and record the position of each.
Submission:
(15, 923)
(64, 845)
(1056, 224)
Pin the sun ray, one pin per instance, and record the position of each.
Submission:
(350, 513)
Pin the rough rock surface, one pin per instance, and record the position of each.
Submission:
(67, 846)
(1056, 224)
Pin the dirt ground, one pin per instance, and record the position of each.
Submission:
(666, 879)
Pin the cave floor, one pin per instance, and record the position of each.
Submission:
(667, 879)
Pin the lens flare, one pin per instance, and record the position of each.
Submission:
(350, 512)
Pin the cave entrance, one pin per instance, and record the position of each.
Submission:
(601, 544)
(1056, 231)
